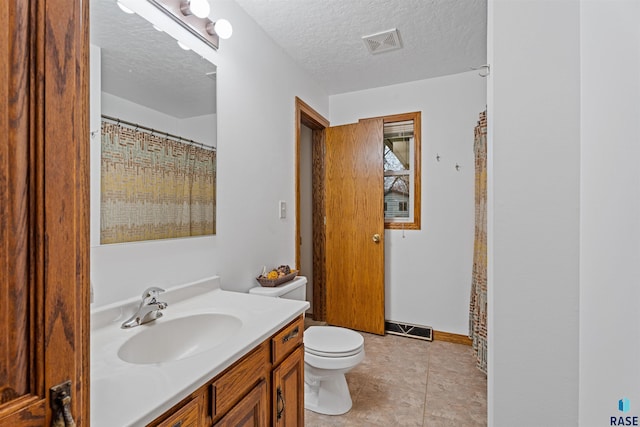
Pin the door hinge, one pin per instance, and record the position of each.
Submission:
(60, 401)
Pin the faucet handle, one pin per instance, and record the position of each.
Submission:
(153, 291)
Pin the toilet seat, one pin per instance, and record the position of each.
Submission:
(332, 342)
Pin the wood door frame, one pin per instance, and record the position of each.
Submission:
(62, 231)
(47, 216)
(305, 115)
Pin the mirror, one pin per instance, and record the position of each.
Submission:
(155, 105)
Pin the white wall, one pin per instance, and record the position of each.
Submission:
(428, 271)
(610, 210)
(203, 129)
(534, 185)
(257, 85)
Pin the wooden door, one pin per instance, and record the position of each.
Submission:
(354, 247)
(44, 199)
(251, 411)
(288, 391)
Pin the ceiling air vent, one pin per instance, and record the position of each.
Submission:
(382, 42)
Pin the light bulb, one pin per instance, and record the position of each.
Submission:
(223, 28)
(200, 8)
(183, 46)
(124, 8)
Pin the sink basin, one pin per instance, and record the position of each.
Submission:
(176, 339)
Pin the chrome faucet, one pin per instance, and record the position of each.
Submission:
(149, 308)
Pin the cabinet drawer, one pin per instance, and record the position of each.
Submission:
(187, 416)
(285, 341)
(236, 382)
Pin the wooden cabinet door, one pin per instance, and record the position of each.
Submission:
(251, 411)
(288, 391)
(354, 249)
(44, 194)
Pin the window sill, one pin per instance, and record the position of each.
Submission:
(402, 226)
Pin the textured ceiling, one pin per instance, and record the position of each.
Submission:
(439, 37)
(147, 67)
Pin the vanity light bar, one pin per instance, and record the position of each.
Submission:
(193, 24)
(200, 8)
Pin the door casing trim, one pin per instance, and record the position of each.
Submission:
(305, 115)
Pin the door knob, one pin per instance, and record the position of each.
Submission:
(376, 238)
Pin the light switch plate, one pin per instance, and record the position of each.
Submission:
(283, 209)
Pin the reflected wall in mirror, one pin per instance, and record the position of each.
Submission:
(153, 126)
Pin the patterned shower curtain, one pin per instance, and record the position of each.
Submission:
(153, 187)
(478, 306)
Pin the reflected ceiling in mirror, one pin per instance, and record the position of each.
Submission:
(148, 67)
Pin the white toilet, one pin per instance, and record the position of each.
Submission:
(329, 353)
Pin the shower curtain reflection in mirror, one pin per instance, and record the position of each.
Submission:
(154, 187)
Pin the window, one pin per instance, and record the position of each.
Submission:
(402, 171)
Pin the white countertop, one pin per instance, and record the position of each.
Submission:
(126, 394)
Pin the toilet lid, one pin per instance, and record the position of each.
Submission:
(331, 341)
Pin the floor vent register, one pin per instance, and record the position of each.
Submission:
(408, 330)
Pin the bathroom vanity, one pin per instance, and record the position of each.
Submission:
(248, 371)
(265, 387)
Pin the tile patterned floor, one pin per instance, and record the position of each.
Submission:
(404, 382)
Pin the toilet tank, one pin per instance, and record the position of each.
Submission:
(295, 289)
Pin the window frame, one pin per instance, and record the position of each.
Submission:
(413, 222)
